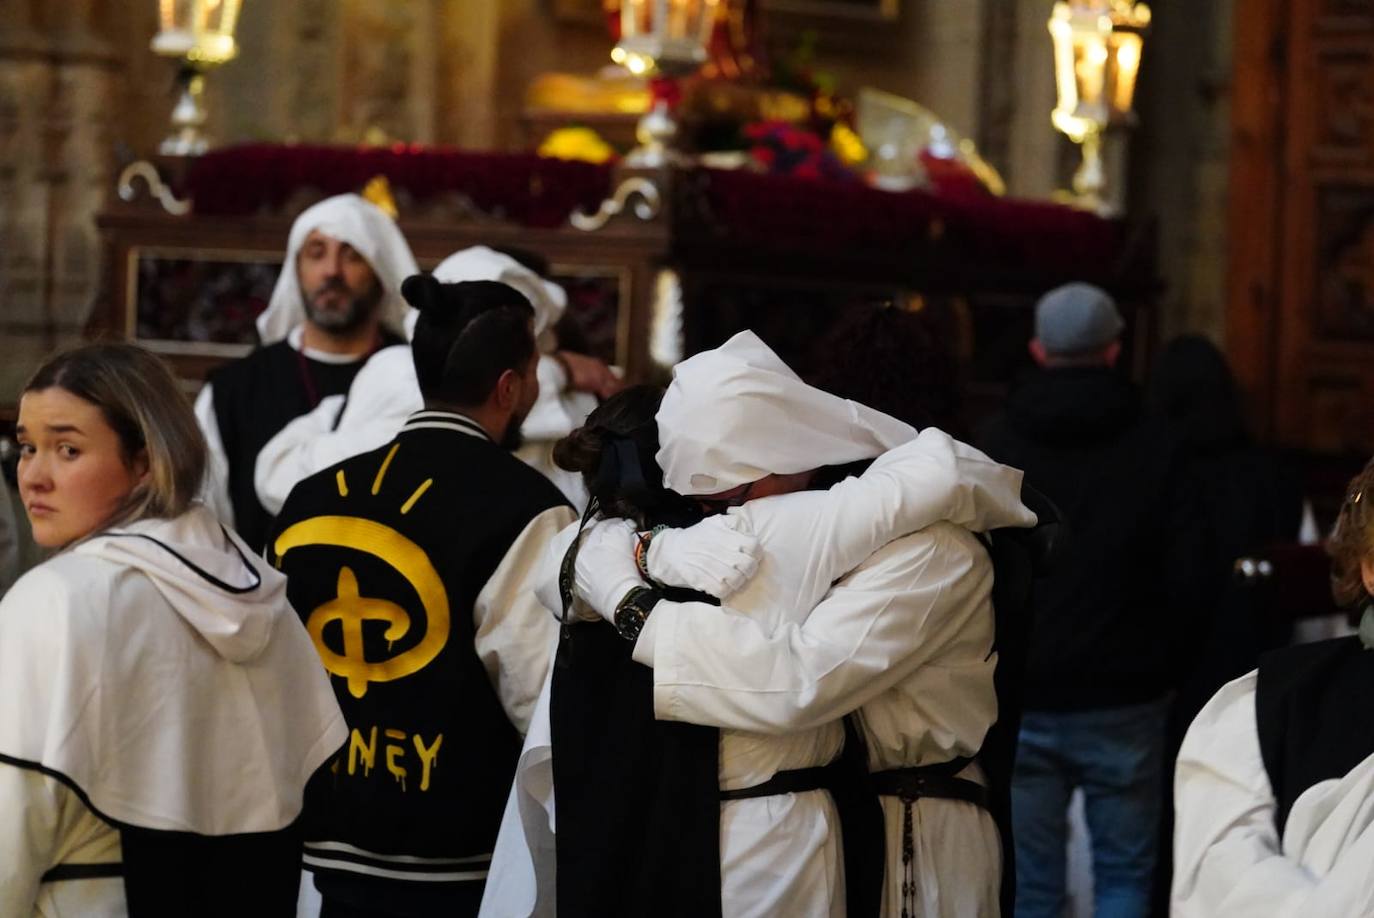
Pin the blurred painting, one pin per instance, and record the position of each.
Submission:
(197, 302)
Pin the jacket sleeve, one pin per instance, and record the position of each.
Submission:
(1229, 861)
(718, 667)
(514, 634)
(215, 490)
(30, 819)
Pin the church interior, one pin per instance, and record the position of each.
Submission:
(688, 169)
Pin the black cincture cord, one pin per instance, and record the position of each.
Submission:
(567, 580)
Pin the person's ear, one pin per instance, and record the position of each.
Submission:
(140, 466)
(1367, 575)
(507, 389)
(1037, 351)
(1112, 353)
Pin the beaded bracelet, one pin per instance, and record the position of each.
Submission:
(642, 551)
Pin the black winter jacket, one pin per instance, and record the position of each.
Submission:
(1110, 613)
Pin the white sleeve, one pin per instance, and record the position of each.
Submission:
(215, 489)
(515, 635)
(717, 667)
(556, 412)
(383, 395)
(930, 479)
(30, 820)
(1228, 859)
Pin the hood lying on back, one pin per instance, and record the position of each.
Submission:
(206, 573)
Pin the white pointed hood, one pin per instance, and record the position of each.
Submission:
(480, 263)
(365, 227)
(160, 670)
(738, 413)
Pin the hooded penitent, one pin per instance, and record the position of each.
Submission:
(366, 228)
(481, 263)
(203, 712)
(736, 414)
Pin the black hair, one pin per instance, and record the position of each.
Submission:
(614, 452)
(467, 335)
(890, 359)
(1191, 386)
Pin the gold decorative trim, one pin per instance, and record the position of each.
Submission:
(646, 208)
(156, 187)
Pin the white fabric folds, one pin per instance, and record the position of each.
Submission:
(480, 263)
(1229, 859)
(367, 229)
(738, 413)
(160, 671)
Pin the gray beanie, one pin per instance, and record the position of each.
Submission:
(1076, 319)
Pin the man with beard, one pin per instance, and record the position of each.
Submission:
(337, 303)
(385, 393)
(412, 566)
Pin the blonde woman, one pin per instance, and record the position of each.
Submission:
(161, 707)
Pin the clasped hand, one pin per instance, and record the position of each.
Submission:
(716, 556)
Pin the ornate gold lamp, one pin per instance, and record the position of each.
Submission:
(1097, 46)
(200, 34)
(665, 39)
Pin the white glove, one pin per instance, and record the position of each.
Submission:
(716, 556)
(605, 569)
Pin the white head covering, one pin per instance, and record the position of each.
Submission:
(480, 263)
(738, 413)
(371, 232)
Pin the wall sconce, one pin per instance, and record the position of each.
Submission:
(666, 39)
(199, 33)
(1097, 46)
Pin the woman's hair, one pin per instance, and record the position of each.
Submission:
(614, 452)
(1193, 389)
(1352, 541)
(890, 359)
(144, 406)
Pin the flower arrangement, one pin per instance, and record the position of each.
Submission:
(783, 148)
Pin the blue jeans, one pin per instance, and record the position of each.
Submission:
(1115, 756)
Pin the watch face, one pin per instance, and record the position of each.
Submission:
(634, 609)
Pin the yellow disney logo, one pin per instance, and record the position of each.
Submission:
(350, 609)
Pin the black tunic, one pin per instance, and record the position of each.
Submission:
(1312, 705)
(254, 398)
(638, 799)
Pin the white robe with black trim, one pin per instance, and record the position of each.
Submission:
(1229, 859)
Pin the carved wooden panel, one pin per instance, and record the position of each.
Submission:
(1339, 15)
(1301, 290)
(1338, 418)
(1345, 264)
(1344, 103)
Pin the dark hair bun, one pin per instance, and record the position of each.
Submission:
(423, 292)
(580, 451)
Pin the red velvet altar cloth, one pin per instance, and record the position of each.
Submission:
(521, 187)
(958, 234)
(967, 233)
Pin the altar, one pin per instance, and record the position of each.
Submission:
(658, 263)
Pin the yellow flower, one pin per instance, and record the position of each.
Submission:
(576, 143)
(847, 145)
